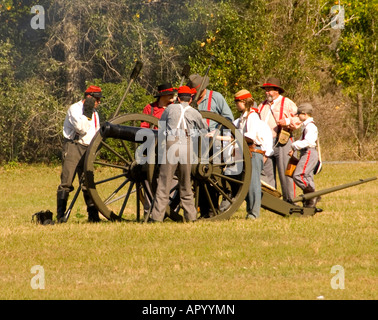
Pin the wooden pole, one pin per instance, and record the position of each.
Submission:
(360, 132)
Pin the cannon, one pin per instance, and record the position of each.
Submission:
(120, 184)
(113, 175)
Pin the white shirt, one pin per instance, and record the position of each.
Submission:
(77, 123)
(253, 128)
(308, 137)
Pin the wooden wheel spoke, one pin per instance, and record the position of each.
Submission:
(110, 179)
(228, 146)
(138, 187)
(225, 164)
(147, 190)
(215, 185)
(106, 164)
(129, 154)
(126, 199)
(196, 194)
(216, 133)
(116, 199)
(106, 201)
(109, 148)
(209, 198)
(229, 178)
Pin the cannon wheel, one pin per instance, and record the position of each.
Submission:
(113, 178)
(225, 176)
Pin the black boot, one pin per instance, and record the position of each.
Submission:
(311, 203)
(91, 208)
(93, 214)
(62, 197)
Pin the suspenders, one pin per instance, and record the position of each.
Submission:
(182, 117)
(95, 120)
(209, 105)
(304, 130)
(281, 109)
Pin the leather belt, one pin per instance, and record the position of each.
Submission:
(252, 148)
(257, 151)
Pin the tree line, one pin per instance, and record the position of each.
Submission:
(322, 51)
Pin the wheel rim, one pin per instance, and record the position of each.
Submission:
(213, 177)
(116, 183)
(209, 179)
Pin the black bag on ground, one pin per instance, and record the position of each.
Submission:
(43, 217)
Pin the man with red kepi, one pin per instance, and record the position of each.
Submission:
(80, 126)
(279, 113)
(180, 123)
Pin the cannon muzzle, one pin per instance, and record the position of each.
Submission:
(128, 133)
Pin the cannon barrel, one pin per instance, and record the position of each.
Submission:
(128, 133)
(311, 195)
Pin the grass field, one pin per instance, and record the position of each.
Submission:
(270, 258)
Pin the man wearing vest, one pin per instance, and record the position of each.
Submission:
(164, 97)
(280, 114)
(209, 100)
(304, 173)
(80, 125)
(179, 123)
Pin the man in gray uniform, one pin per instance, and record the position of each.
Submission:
(304, 173)
(180, 122)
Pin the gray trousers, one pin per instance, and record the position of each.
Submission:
(166, 174)
(72, 163)
(279, 161)
(304, 173)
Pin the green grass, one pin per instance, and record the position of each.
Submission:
(270, 258)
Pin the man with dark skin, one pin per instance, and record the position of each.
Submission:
(80, 125)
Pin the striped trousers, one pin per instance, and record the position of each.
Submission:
(303, 175)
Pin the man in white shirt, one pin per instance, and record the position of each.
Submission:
(259, 139)
(279, 113)
(80, 126)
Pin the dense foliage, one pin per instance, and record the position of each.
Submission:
(44, 70)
